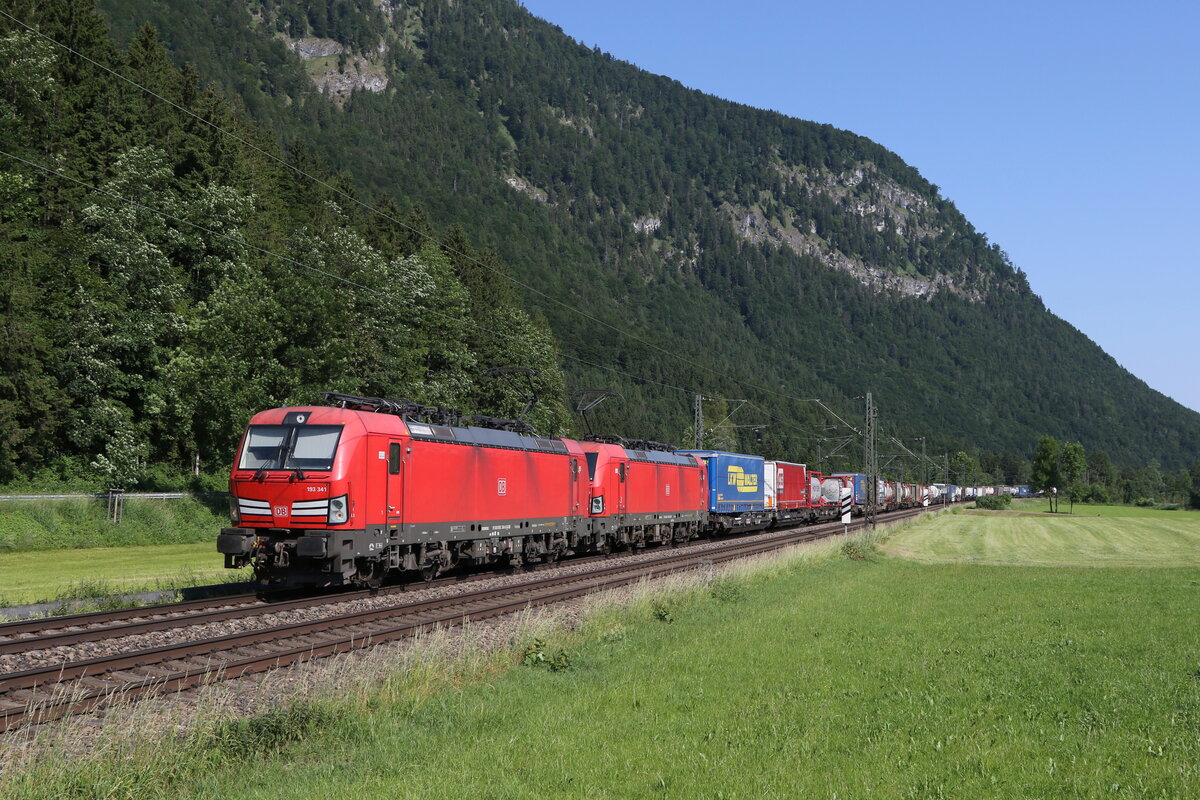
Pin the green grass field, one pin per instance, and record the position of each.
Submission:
(1089, 510)
(67, 549)
(1108, 536)
(883, 678)
(49, 575)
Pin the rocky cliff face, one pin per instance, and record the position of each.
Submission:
(863, 192)
(337, 72)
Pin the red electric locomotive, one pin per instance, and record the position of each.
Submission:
(643, 492)
(344, 494)
(328, 496)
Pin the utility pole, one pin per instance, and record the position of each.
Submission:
(871, 463)
(948, 481)
(699, 422)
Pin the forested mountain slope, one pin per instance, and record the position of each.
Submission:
(163, 280)
(746, 254)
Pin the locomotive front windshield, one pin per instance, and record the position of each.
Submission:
(290, 447)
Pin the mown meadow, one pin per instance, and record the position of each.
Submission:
(1095, 535)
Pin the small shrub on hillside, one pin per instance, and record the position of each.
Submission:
(1144, 502)
(1168, 507)
(662, 611)
(995, 502)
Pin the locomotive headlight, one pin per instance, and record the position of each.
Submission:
(233, 510)
(338, 510)
(598, 504)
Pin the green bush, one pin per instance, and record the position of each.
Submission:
(995, 502)
(535, 655)
(855, 549)
(272, 731)
(726, 590)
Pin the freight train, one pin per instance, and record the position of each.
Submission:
(351, 492)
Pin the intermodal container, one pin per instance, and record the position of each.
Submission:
(786, 485)
(860, 485)
(735, 481)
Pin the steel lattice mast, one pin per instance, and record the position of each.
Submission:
(871, 463)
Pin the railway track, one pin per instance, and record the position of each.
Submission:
(51, 692)
(49, 632)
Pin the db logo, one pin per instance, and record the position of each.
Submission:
(281, 511)
(668, 490)
(502, 486)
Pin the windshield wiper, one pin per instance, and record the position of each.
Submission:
(298, 475)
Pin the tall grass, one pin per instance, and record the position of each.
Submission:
(27, 525)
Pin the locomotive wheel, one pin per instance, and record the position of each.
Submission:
(374, 577)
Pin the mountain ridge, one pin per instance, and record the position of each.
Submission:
(646, 188)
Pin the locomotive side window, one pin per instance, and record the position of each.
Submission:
(394, 458)
(300, 447)
(591, 459)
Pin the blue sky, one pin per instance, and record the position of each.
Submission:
(1068, 132)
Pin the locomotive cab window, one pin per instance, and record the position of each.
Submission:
(302, 447)
(591, 461)
(394, 458)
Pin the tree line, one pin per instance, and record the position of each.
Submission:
(480, 91)
(135, 337)
(163, 280)
(1066, 469)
